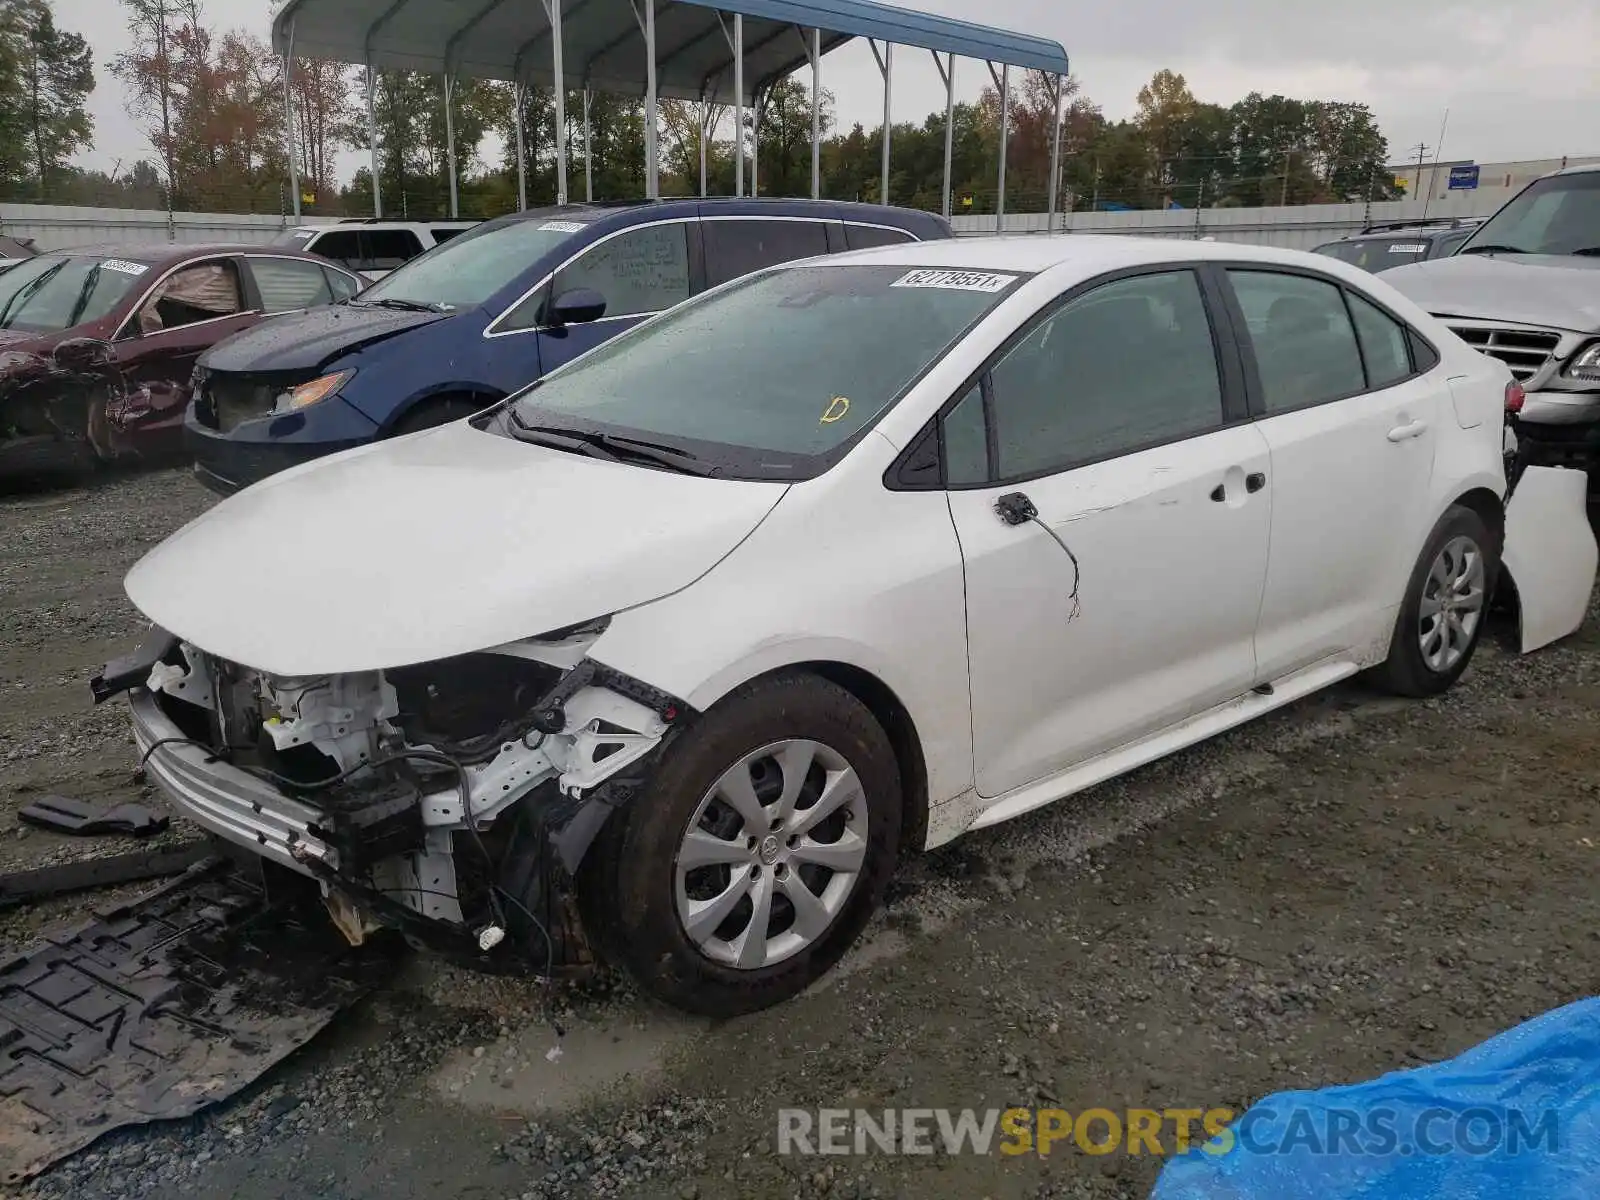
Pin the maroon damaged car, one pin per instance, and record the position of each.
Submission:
(97, 343)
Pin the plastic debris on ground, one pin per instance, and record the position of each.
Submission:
(1515, 1118)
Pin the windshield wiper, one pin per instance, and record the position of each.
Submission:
(404, 305)
(1588, 251)
(1492, 248)
(25, 293)
(613, 447)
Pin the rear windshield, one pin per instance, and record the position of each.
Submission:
(295, 237)
(52, 293)
(789, 364)
(1377, 254)
(467, 270)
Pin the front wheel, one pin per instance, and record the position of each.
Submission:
(757, 853)
(1441, 618)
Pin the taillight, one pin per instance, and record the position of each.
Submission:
(1514, 397)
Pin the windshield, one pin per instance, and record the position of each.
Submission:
(1557, 215)
(467, 270)
(779, 368)
(50, 293)
(1376, 254)
(295, 237)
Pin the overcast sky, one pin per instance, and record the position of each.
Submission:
(1520, 81)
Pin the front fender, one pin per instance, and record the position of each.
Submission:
(842, 571)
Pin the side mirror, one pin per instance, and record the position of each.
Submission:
(577, 306)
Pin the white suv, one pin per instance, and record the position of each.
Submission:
(372, 247)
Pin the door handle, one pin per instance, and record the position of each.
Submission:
(1402, 432)
(1255, 481)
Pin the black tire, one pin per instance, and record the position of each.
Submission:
(627, 884)
(1406, 672)
(440, 410)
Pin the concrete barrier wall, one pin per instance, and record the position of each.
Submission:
(1296, 227)
(56, 226)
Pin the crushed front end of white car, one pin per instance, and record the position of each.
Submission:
(398, 790)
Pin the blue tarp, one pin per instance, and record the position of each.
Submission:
(1516, 1118)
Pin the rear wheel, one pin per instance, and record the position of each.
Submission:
(1441, 618)
(758, 852)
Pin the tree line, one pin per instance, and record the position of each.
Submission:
(209, 104)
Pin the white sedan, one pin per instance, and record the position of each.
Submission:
(842, 559)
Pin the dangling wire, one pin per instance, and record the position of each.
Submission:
(1077, 571)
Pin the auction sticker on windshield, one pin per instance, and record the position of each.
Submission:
(959, 281)
(127, 268)
(563, 226)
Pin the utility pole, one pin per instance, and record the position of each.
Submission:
(1422, 149)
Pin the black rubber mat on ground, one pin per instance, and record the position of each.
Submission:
(162, 1007)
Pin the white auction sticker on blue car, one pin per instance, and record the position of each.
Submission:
(563, 226)
(127, 268)
(959, 281)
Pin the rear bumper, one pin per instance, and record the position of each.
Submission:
(230, 803)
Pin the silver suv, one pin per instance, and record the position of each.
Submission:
(1525, 288)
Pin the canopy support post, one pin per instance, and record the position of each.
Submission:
(518, 96)
(886, 68)
(1003, 82)
(552, 9)
(588, 157)
(652, 118)
(372, 134)
(755, 142)
(948, 74)
(736, 44)
(450, 141)
(815, 54)
(1055, 155)
(288, 124)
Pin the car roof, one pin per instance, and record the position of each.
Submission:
(157, 254)
(1091, 253)
(1580, 169)
(689, 206)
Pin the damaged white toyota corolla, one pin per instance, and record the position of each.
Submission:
(671, 654)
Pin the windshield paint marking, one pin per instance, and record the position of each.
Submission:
(960, 281)
(837, 407)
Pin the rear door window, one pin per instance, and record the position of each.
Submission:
(389, 249)
(738, 247)
(1304, 342)
(342, 246)
(286, 284)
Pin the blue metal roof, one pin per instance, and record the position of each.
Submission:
(603, 47)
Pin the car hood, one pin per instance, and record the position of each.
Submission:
(440, 543)
(306, 340)
(1553, 291)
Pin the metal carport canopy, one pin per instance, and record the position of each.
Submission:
(603, 49)
(682, 49)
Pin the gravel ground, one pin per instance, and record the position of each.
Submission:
(1350, 885)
